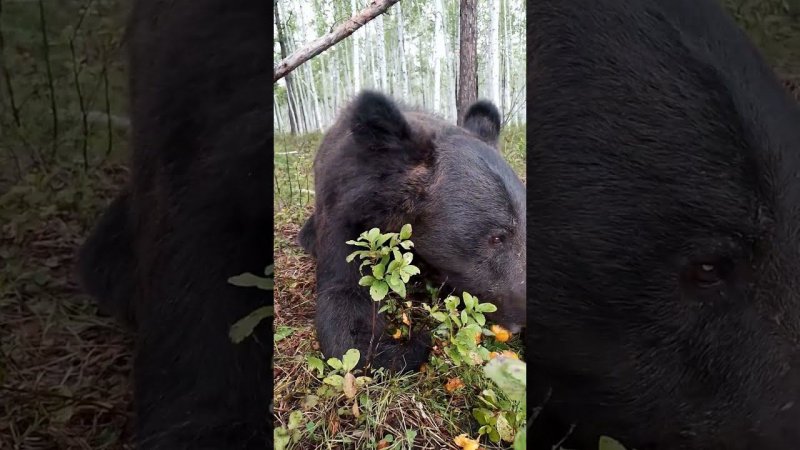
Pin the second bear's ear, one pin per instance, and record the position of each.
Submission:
(377, 122)
(483, 119)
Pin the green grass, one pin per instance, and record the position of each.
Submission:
(413, 404)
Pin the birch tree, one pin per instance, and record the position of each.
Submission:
(493, 51)
(438, 53)
(284, 53)
(401, 50)
(356, 70)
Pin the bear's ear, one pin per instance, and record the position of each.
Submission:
(483, 119)
(377, 122)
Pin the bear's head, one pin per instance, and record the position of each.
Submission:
(465, 203)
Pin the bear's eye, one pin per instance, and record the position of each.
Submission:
(497, 239)
(707, 274)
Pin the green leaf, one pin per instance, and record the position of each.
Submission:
(388, 438)
(397, 286)
(411, 270)
(464, 317)
(373, 235)
(607, 443)
(282, 332)
(485, 308)
(406, 245)
(360, 244)
(385, 238)
(452, 352)
(350, 359)
(393, 265)
(269, 270)
(378, 290)
(280, 437)
(408, 257)
(384, 308)
(494, 436)
(334, 380)
(481, 414)
(378, 271)
(295, 419)
(479, 318)
(469, 301)
(311, 426)
(509, 375)
(366, 280)
(316, 363)
(504, 429)
(244, 327)
(336, 363)
(351, 257)
(410, 436)
(439, 316)
(247, 279)
(405, 232)
(452, 302)
(519, 441)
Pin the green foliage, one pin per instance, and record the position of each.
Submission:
(290, 433)
(244, 327)
(504, 419)
(391, 269)
(461, 322)
(247, 279)
(607, 443)
(461, 328)
(339, 376)
(282, 332)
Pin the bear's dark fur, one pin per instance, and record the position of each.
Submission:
(664, 278)
(381, 165)
(198, 211)
(106, 262)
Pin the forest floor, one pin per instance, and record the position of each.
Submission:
(64, 370)
(402, 409)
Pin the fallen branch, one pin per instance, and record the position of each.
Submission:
(320, 44)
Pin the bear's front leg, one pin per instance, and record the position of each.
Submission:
(347, 318)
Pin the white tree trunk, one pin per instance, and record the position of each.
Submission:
(493, 52)
(324, 93)
(381, 49)
(356, 73)
(506, 62)
(372, 40)
(404, 87)
(438, 54)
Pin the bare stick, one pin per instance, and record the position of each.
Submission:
(320, 44)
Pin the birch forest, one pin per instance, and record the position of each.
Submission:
(410, 52)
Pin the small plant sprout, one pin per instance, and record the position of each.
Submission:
(340, 379)
(391, 269)
(461, 329)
